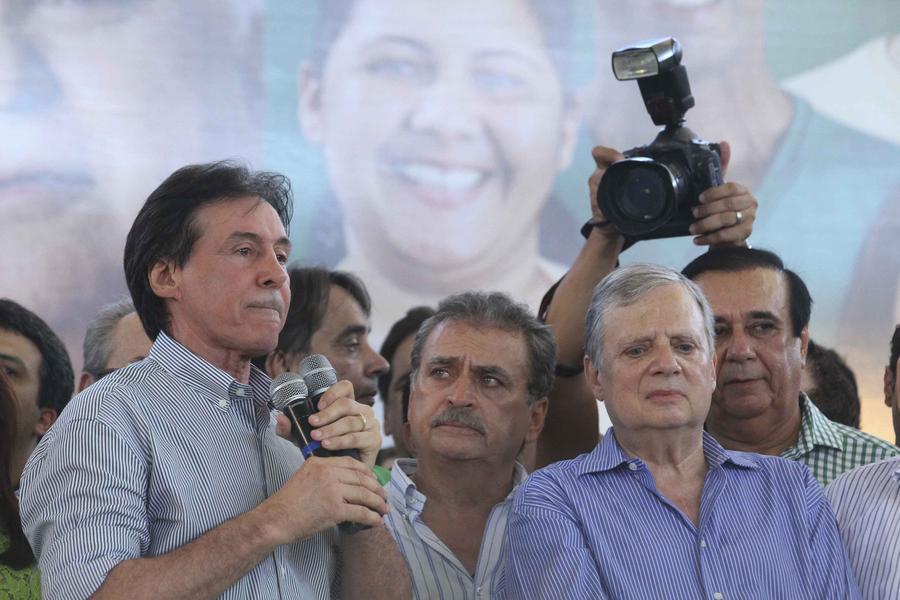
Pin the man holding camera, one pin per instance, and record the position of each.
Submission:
(724, 216)
(762, 313)
(166, 479)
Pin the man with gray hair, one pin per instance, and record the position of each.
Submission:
(658, 491)
(115, 338)
(482, 367)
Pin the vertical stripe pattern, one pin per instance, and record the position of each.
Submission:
(151, 457)
(866, 503)
(434, 570)
(597, 527)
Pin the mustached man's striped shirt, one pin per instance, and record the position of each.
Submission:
(866, 503)
(597, 527)
(433, 568)
(151, 457)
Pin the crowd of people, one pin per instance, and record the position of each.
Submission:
(170, 475)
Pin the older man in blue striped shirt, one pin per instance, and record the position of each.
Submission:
(167, 479)
(659, 509)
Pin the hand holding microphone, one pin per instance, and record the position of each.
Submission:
(325, 419)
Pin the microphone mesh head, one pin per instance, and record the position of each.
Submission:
(318, 373)
(285, 389)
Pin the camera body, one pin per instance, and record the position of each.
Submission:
(651, 192)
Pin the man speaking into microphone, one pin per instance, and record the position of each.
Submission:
(167, 479)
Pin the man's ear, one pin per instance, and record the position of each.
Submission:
(591, 376)
(85, 380)
(46, 419)
(163, 278)
(804, 344)
(309, 105)
(888, 386)
(537, 414)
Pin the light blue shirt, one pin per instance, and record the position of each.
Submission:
(597, 527)
(866, 503)
(434, 570)
(153, 456)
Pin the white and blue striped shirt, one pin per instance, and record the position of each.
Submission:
(434, 570)
(153, 456)
(597, 527)
(866, 503)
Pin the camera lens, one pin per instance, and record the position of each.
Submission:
(643, 195)
(638, 195)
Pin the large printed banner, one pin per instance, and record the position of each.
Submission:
(441, 146)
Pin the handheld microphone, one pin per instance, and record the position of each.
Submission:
(319, 375)
(290, 394)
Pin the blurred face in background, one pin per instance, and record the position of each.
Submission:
(343, 339)
(443, 125)
(20, 361)
(98, 102)
(393, 411)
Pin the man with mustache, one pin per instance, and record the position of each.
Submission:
(329, 315)
(762, 312)
(482, 367)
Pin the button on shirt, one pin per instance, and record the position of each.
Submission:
(866, 502)
(830, 448)
(434, 570)
(597, 527)
(153, 456)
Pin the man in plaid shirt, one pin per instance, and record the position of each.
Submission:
(762, 315)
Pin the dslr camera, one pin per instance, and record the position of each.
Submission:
(651, 192)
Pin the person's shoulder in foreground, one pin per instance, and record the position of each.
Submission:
(866, 502)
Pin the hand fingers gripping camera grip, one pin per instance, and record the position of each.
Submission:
(290, 393)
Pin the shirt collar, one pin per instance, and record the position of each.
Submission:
(815, 430)
(212, 383)
(609, 455)
(411, 501)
